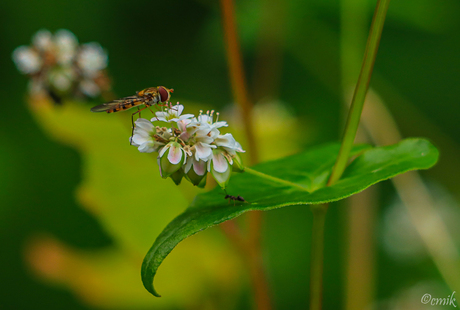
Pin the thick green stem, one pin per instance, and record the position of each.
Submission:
(316, 256)
(362, 86)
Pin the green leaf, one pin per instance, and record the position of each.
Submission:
(309, 171)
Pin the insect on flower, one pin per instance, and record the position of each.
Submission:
(147, 97)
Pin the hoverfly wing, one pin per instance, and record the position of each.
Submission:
(105, 106)
(113, 105)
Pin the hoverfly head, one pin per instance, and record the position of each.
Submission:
(165, 93)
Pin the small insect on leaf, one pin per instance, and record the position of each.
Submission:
(235, 199)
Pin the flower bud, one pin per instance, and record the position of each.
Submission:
(221, 178)
(220, 168)
(171, 159)
(177, 176)
(195, 172)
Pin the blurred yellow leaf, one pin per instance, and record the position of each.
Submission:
(123, 189)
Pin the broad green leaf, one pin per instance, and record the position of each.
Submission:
(308, 171)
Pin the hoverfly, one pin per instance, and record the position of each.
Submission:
(147, 97)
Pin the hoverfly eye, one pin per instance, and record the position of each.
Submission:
(164, 94)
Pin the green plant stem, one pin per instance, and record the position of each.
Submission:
(361, 208)
(316, 256)
(273, 179)
(354, 115)
(362, 86)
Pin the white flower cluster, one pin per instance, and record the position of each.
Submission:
(191, 147)
(60, 67)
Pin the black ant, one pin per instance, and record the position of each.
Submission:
(237, 198)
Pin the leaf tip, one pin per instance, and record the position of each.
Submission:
(147, 279)
(149, 287)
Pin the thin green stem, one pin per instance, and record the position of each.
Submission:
(354, 115)
(361, 220)
(274, 179)
(362, 86)
(316, 256)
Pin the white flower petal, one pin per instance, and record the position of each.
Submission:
(89, 88)
(203, 151)
(146, 147)
(66, 44)
(43, 40)
(199, 167)
(164, 149)
(219, 162)
(188, 165)
(144, 134)
(61, 78)
(220, 124)
(160, 116)
(239, 148)
(92, 58)
(185, 116)
(139, 139)
(27, 60)
(175, 154)
(172, 119)
(182, 125)
(204, 118)
(226, 140)
(178, 109)
(144, 124)
(131, 142)
(204, 139)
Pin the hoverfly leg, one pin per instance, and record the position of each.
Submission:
(152, 112)
(172, 107)
(132, 122)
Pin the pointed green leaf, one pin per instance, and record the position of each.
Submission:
(309, 171)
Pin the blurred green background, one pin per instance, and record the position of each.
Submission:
(292, 53)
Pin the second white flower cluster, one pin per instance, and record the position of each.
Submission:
(190, 147)
(59, 66)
